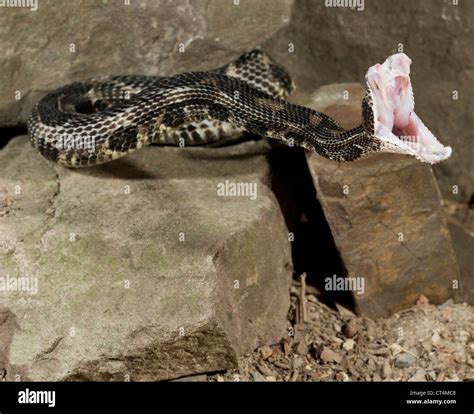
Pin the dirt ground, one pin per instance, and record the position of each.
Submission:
(423, 343)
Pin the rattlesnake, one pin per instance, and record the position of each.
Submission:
(102, 119)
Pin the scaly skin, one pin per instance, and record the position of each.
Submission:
(102, 119)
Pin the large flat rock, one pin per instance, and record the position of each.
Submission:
(45, 48)
(386, 217)
(144, 270)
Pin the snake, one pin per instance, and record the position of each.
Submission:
(90, 122)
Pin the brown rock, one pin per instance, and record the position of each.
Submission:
(302, 348)
(351, 328)
(328, 355)
(340, 36)
(386, 218)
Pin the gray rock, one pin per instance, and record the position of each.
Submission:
(146, 37)
(386, 218)
(257, 377)
(143, 271)
(405, 360)
(338, 44)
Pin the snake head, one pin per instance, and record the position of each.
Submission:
(389, 115)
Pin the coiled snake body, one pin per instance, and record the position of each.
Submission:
(102, 119)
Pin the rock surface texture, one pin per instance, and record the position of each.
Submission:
(147, 268)
(52, 46)
(386, 217)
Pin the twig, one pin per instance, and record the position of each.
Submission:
(303, 298)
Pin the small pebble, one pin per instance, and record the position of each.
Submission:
(420, 375)
(431, 375)
(422, 300)
(435, 338)
(405, 360)
(312, 298)
(298, 363)
(328, 355)
(395, 349)
(257, 377)
(265, 352)
(463, 336)
(302, 348)
(348, 345)
(342, 376)
(376, 377)
(351, 328)
(265, 370)
(459, 357)
(336, 340)
(426, 345)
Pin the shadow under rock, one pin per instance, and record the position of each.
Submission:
(313, 249)
(7, 134)
(116, 169)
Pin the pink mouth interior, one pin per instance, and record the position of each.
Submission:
(396, 123)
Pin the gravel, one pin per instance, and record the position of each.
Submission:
(422, 343)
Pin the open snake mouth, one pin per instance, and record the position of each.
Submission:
(396, 124)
